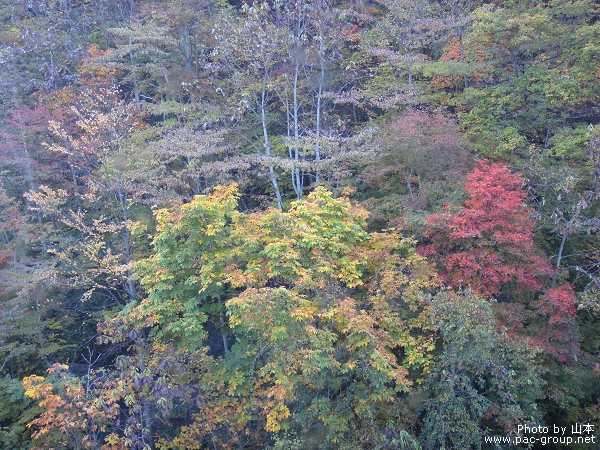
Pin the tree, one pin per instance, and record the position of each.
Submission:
(278, 69)
(459, 11)
(567, 201)
(531, 82)
(488, 246)
(206, 158)
(489, 242)
(249, 54)
(481, 376)
(309, 282)
(101, 158)
(16, 411)
(408, 152)
(79, 415)
(408, 28)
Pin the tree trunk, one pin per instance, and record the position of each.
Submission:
(267, 146)
(296, 176)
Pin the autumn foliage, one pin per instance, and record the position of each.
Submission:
(311, 283)
(76, 413)
(488, 246)
(489, 242)
(263, 224)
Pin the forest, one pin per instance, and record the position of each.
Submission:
(299, 224)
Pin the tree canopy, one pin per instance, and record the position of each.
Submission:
(298, 224)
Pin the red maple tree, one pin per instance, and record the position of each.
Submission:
(489, 242)
(488, 246)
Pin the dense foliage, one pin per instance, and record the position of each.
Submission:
(361, 224)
